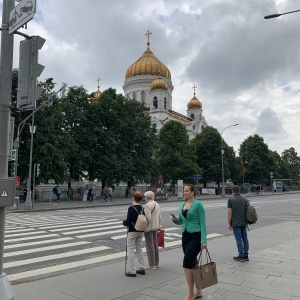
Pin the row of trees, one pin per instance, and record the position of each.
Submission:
(112, 140)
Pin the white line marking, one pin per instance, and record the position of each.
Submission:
(22, 234)
(85, 226)
(93, 229)
(53, 257)
(99, 233)
(31, 238)
(45, 242)
(42, 249)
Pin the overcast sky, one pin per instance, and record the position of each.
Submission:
(246, 68)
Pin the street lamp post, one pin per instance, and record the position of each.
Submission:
(278, 15)
(222, 154)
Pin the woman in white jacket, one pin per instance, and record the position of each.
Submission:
(152, 212)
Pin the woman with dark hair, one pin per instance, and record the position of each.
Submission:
(192, 218)
(134, 238)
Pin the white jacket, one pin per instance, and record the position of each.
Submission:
(153, 216)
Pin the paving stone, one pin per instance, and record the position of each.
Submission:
(229, 295)
(234, 288)
(156, 293)
(261, 285)
(269, 295)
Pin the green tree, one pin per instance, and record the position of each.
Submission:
(254, 153)
(291, 158)
(122, 140)
(175, 156)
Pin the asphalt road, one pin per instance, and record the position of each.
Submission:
(48, 243)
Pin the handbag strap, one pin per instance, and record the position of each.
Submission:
(153, 208)
(208, 258)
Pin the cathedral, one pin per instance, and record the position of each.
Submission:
(149, 81)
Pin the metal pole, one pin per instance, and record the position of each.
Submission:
(28, 203)
(6, 62)
(222, 154)
(33, 185)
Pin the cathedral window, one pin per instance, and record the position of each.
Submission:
(155, 103)
(143, 97)
(194, 127)
(154, 125)
(165, 103)
(192, 116)
(202, 128)
(134, 96)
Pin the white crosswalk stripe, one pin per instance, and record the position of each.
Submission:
(46, 246)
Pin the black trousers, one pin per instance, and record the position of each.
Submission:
(191, 245)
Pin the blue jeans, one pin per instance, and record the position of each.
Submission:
(240, 234)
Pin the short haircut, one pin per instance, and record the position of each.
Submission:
(137, 196)
(236, 189)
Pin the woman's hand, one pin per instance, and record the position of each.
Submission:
(203, 246)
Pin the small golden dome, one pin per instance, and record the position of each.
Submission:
(148, 64)
(194, 103)
(97, 94)
(158, 84)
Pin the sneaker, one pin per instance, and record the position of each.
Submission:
(238, 258)
(157, 266)
(246, 258)
(152, 267)
(130, 274)
(141, 272)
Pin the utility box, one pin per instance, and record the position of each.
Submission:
(7, 192)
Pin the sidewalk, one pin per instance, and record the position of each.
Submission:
(72, 204)
(273, 272)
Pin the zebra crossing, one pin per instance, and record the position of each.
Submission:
(40, 246)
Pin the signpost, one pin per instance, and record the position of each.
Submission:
(21, 14)
(197, 177)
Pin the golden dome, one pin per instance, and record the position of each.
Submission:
(148, 64)
(158, 84)
(97, 94)
(194, 103)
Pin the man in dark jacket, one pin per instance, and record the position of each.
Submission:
(236, 217)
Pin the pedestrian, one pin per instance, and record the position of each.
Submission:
(127, 191)
(58, 192)
(237, 206)
(153, 216)
(105, 192)
(192, 217)
(25, 191)
(90, 196)
(109, 192)
(134, 238)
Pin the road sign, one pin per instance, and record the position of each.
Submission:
(197, 176)
(21, 14)
(271, 173)
(7, 192)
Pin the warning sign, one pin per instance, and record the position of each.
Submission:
(4, 194)
(7, 192)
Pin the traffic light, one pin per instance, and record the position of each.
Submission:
(29, 70)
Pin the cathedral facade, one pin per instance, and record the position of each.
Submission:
(149, 81)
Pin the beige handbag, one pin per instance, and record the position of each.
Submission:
(205, 275)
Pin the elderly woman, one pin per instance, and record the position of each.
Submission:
(152, 212)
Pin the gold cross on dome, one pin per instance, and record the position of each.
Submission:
(98, 82)
(194, 87)
(148, 35)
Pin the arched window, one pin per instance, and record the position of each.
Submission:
(192, 116)
(155, 103)
(194, 127)
(143, 97)
(202, 128)
(165, 103)
(154, 125)
(134, 96)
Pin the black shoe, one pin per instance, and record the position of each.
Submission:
(130, 274)
(246, 258)
(238, 258)
(141, 272)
